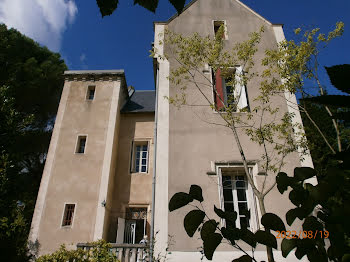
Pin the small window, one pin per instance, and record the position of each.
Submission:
(135, 225)
(68, 215)
(140, 157)
(81, 145)
(217, 25)
(90, 93)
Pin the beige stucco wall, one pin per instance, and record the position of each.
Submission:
(194, 144)
(75, 178)
(131, 189)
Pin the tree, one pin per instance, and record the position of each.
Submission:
(285, 69)
(31, 81)
(107, 7)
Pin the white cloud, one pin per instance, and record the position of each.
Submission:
(82, 59)
(43, 20)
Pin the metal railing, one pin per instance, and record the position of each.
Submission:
(125, 252)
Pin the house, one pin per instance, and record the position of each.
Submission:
(117, 155)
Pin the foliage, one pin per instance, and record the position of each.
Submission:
(100, 251)
(30, 86)
(107, 7)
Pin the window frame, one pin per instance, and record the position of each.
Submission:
(225, 28)
(133, 158)
(252, 203)
(225, 95)
(64, 214)
(89, 88)
(77, 145)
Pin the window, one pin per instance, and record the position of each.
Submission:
(132, 229)
(140, 157)
(217, 25)
(229, 89)
(90, 93)
(81, 145)
(238, 196)
(68, 215)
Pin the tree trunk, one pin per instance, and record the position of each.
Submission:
(263, 212)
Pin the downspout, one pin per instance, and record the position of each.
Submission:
(154, 170)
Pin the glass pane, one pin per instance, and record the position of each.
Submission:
(244, 222)
(240, 184)
(137, 164)
(226, 182)
(144, 148)
(143, 161)
(144, 154)
(242, 207)
(241, 195)
(229, 207)
(138, 148)
(228, 195)
(143, 169)
(240, 178)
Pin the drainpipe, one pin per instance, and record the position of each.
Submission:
(154, 169)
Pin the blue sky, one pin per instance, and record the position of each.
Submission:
(76, 30)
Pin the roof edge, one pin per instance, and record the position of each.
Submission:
(94, 72)
(193, 1)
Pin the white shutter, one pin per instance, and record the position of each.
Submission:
(120, 231)
(240, 90)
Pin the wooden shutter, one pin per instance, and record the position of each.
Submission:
(219, 95)
(120, 231)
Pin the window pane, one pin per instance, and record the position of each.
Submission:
(242, 207)
(244, 222)
(228, 195)
(226, 181)
(144, 154)
(241, 194)
(137, 165)
(144, 148)
(229, 207)
(143, 161)
(240, 184)
(143, 169)
(138, 148)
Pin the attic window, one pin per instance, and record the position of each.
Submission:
(217, 25)
(90, 95)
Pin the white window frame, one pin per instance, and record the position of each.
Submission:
(251, 198)
(136, 143)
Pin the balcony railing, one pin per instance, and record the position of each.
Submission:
(125, 252)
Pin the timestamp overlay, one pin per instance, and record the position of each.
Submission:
(302, 234)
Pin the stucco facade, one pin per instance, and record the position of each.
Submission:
(125, 166)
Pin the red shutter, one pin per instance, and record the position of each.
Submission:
(219, 96)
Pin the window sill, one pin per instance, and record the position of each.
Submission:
(139, 173)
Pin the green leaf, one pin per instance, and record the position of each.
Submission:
(107, 7)
(339, 76)
(192, 221)
(272, 221)
(288, 245)
(332, 100)
(292, 214)
(248, 237)
(266, 238)
(208, 229)
(342, 116)
(302, 173)
(283, 181)
(346, 258)
(311, 223)
(150, 5)
(210, 244)
(231, 234)
(244, 258)
(196, 193)
(178, 4)
(229, 216)
(298, 195)
(178, 200)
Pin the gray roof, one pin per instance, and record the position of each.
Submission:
(141, 102)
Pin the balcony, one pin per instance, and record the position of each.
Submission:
(125, 252)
